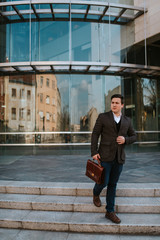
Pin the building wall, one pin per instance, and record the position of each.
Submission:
(150, 21)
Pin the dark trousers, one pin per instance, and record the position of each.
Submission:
(112, 173)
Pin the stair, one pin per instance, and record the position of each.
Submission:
(67, 208)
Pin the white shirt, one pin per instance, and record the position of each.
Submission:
(117, 119)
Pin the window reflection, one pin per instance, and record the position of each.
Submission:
(46, 111)
(87, 99)
(50, 41)
(141, 104)
(71, 104)
(17, 41)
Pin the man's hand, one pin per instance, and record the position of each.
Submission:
(120, 140)
(97, 157)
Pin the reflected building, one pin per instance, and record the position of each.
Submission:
(109, 95)
(87, 122)
(48, 103)
(20, 103)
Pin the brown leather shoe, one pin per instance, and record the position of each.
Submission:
(96, 201)
(112, 216)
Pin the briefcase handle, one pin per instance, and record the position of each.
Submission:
(99, 163)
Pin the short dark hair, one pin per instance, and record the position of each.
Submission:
(118, 96)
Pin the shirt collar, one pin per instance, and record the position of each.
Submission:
(117, 119)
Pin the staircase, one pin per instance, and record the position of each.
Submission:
(67, 208)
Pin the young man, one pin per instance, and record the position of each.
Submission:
(115, 131)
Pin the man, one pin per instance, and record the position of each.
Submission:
(115, 131)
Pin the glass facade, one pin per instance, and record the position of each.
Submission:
(41, 108)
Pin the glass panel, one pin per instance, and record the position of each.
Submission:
(115, 10)
(18, 104)
(60, 15)
(128, 2)
(60, 6)
(78, 6)
(150, 114)
(63, 103)
(153, 52)
(14, 17)
(45, 16)
(142, 105)
(3, 54)
(124, 48)
(81, 47)
(52, 103)
(95, 45)
(23, 7)
(14, 42)
(86, 104)
(78, 16)
(94, 17)
(41, 6)
(50, 41)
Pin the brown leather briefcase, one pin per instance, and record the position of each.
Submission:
(95, 172)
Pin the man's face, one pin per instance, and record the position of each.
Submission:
(116, 106)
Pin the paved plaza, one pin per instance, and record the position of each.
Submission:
(139, 168)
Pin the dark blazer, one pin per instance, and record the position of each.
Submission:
(105, 127)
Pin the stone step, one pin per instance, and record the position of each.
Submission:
(16, 234)
(78, 189)
(77, 203)
(148, 224)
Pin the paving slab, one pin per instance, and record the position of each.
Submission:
(14, 234)
(8, 234)
(139, 167)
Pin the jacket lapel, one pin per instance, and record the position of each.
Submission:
(112, 120)
(122, 123)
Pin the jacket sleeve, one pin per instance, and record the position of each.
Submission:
(131, 135)
(95, 135)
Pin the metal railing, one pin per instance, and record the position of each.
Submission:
(70, 143)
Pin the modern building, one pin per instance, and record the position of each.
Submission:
(60, 62)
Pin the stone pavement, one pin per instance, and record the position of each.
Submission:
(139, 168)
(14, 234)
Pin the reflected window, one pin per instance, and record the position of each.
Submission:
(21, 113)
(21, 128)
(41, 81)
(53, 101)
(47, 100)
(13, 113)
(54, 117)
(41, 97)
(149, 114)
(50, 41)
(28, 115)
(47, 82)
(28, 94)
(21, 93)
(53, 84)
(17, 41)
(13, 92)
(47, 116)
(81, 47)
(41, 115)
